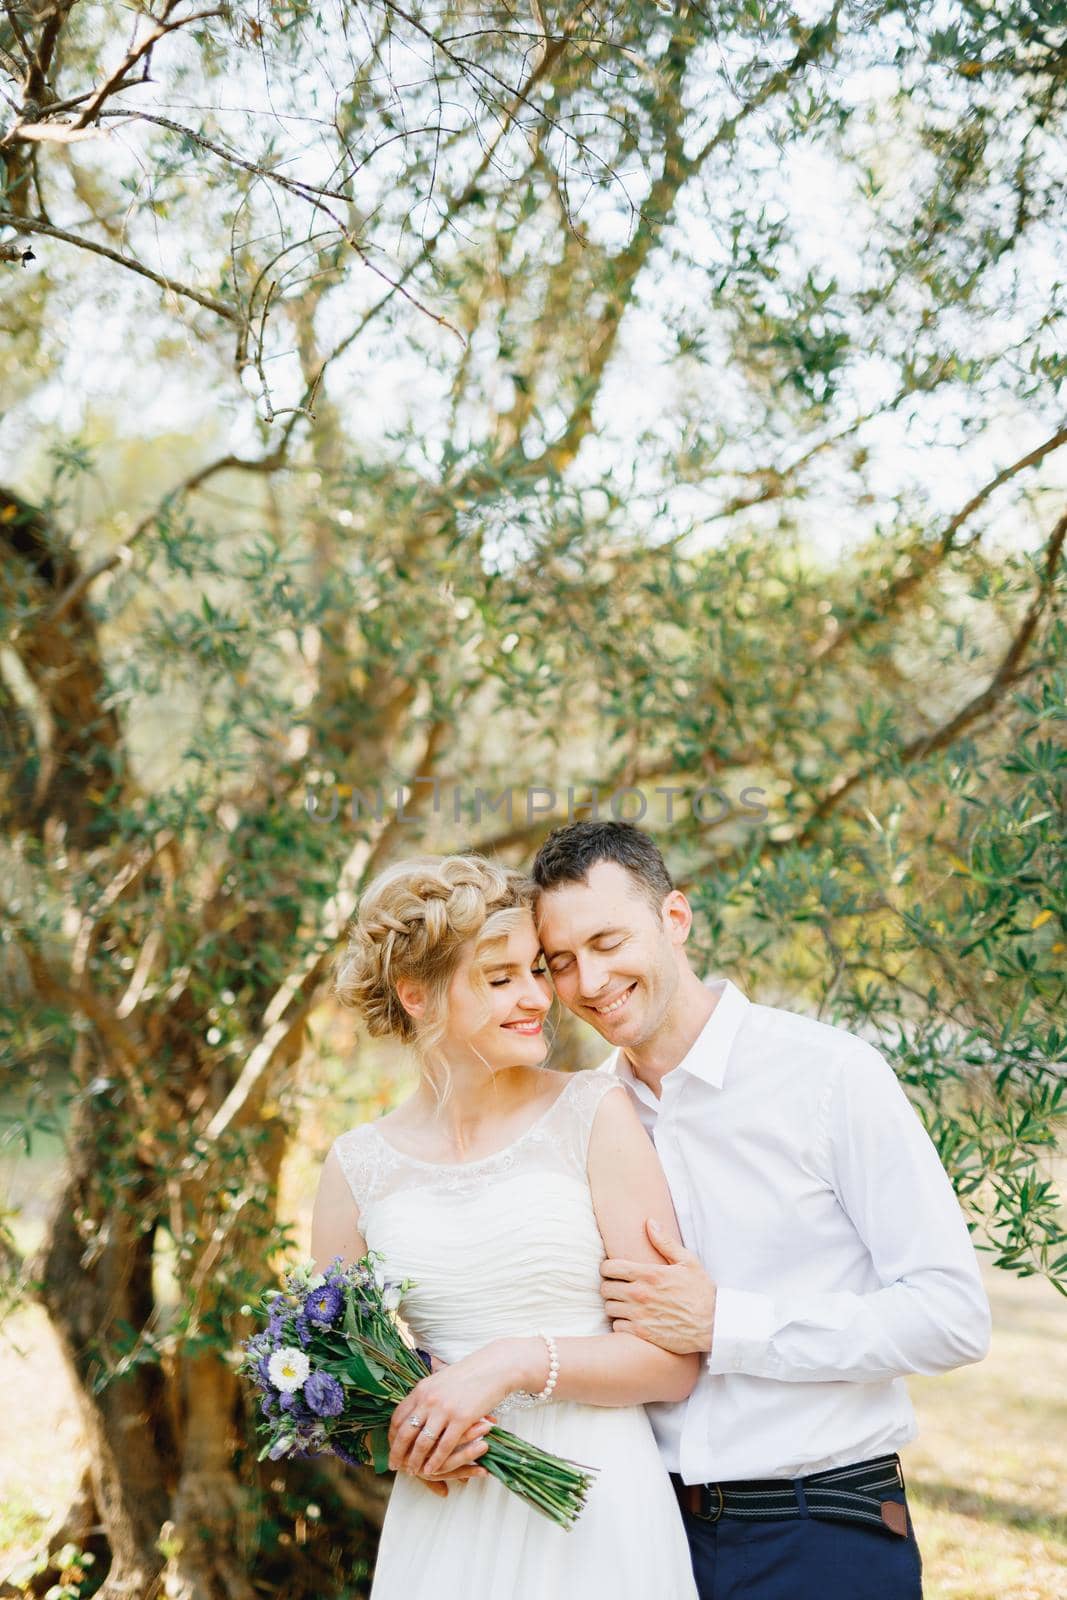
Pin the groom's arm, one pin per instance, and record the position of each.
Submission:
(929, 1315)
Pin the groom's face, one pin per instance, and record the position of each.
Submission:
(613, 959)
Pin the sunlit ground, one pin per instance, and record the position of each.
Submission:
(986, 1478)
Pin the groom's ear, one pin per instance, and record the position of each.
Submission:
(677, 915)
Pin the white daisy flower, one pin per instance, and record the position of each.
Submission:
(288, 1368)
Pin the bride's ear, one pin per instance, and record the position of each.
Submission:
(412, 996)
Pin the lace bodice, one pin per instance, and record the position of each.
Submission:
(559, 1139)
(494, 1247)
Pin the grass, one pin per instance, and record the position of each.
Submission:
(41, 1449)
(987, 1474)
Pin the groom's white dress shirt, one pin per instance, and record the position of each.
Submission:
(805, 1181)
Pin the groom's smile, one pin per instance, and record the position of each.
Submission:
(612, 1007)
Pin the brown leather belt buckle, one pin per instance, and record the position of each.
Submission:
(691, 1499)
(711, 1516)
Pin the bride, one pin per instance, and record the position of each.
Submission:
(498, 1188)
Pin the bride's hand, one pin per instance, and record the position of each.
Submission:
(450, 1402)
(463, 1463)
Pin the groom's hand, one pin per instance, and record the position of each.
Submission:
(671, 1305)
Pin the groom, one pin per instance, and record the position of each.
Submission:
(827, 1255)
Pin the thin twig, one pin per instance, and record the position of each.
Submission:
(32, 225)
(115, 81)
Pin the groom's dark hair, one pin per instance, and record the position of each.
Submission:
(568, 853)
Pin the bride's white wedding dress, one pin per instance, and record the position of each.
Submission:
(503, 1247)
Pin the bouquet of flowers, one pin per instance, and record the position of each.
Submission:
(334, 1361)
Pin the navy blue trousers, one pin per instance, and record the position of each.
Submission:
(805, 1558)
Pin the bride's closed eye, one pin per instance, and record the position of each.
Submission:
(538, 972)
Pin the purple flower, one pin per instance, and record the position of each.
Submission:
(303, 1329)
(294, 1404)
(263, 1371)
(323, 1305)
(269, 1405)
(275, 1328)
(345, 1454)
(324, 1394)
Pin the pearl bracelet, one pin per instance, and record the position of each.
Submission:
(521, 1399)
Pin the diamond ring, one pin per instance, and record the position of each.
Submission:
(414, 1422)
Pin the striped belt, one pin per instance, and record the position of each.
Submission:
(846, 1494)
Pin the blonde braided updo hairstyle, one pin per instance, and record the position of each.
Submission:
(413, 921)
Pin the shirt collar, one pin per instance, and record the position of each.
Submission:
(707, 1056)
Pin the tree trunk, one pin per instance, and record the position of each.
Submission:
(94, 1272)
(174, 1503)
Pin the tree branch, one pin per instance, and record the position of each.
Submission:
(85, 755)
(268, 463)
(123, 1046)
(1009, 672)
(33, 225)
(292, 1000)
(925, 744)
(305, 192)
(923, 558)
(455, 206)
(117, 79)
(41, 60)
(678, 168)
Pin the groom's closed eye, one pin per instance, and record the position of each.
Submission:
(557, 962)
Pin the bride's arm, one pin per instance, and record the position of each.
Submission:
(628, 1185)
(335, 1227)
(611, 1369)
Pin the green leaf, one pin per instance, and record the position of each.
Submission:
(378, 1442)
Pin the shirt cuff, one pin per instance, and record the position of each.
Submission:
(741, 1333)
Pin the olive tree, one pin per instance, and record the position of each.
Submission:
(528, 379)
